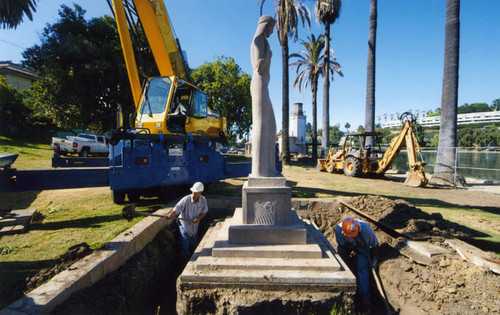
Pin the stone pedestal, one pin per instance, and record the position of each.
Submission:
(267, 216)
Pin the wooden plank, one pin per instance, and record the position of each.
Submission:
(475, 255)
(425, 248)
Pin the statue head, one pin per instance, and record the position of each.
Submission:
(267, 23)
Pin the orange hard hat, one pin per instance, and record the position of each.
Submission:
(350, 227)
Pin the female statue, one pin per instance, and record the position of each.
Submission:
(264, 124)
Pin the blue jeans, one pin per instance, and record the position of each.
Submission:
(362, 268)
(188, 242)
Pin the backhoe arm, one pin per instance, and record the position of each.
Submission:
(395, 147)
(416, 177)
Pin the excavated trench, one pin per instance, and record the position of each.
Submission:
(146, 284)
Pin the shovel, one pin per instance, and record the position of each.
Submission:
(129, 213)
(380, 288)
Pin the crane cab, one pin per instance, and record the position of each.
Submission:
(169, 105)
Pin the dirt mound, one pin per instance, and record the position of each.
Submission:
(73, 254)
(403, 216)
(448, 285)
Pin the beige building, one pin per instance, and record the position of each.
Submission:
(16, 75)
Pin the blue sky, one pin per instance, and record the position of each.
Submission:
(410, 49)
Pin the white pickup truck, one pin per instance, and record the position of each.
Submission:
(83, 144)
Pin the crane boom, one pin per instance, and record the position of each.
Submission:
(159, 33)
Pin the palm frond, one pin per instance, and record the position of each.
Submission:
(327, 11)
(12, 12)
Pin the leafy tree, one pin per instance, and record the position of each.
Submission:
(13, 113)
(420, 134)
(13, 11)
(473, 108)
(436, 112)
(335, 133)
(312, 61)
(347, 126)
(288, 13)
(308, 132)
(444, 169)
(228, 89)
(327, 12)
(82, 72)
(370, 68)
(386, 135)
(495, 105)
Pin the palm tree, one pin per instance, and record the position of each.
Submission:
(12, 12)
(288, 13)
(347, 126)
(327, 12)
(370, 77)
(445, 159)
(313, 62)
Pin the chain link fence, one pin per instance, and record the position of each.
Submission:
(481, 163)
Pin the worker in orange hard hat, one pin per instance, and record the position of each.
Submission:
(356, 237)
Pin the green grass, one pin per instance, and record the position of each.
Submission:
(67, 218)
(236, 158)
(32, 154)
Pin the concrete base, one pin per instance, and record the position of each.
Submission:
(293, 233)
(305, 268)
(266, 200)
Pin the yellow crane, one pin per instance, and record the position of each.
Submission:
(168, 104)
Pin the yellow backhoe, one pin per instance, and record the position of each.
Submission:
(355, 158)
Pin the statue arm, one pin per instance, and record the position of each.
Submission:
(260, 55)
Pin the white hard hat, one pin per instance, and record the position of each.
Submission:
(197, 187)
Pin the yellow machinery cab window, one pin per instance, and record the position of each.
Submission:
(154, 100)
(199, 105)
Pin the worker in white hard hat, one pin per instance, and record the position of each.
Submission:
(192, 208)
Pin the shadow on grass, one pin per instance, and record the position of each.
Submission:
(422, 202)
(18, 200)
(308, 192)
(77, 223)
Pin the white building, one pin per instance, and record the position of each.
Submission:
(297, 133)
(16, 75)
(462, 119)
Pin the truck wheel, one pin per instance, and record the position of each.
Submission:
(352, 166)
(118, 197)
(84, 152)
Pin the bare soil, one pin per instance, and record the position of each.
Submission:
(448, 285)
(73, 254)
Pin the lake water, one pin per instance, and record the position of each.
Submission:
(475, 164)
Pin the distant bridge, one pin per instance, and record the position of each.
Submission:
(462, 119)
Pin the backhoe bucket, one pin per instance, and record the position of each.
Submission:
(415, 179)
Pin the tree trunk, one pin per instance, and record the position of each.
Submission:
(444, 172)
(325, 139)
(285, 148)
(370, 77)
(314, 90)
